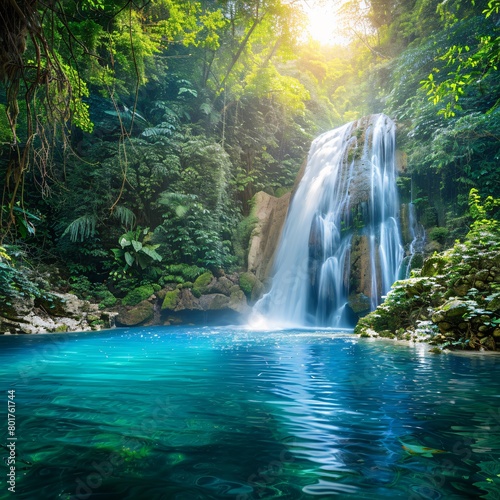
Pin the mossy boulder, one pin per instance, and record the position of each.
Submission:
(138, 295)
(454, 308)
(433, 266)
(359, 303)
(200, 286)
(171, 299)
(238, 302)
(137, 315)
(222, 285)
(247, 282)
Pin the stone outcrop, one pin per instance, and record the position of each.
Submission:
(270, 213)
(453, 303)
(210, 300)
(137, 315)
(57, 312)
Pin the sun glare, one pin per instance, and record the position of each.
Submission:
(323, 21)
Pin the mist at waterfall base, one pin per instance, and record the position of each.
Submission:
(203, 413)
(348, 190)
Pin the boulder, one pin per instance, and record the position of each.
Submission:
(137, 315)
(221, 285)
(359, 303)
(238, 302)
(63, 305)
(214, 302)
(270, 213)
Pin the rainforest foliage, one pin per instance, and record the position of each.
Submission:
(134, 134)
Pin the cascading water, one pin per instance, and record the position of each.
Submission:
(417, 243)
(340, 249)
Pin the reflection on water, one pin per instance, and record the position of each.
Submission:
(198, 413)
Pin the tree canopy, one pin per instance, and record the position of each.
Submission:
(161, 119)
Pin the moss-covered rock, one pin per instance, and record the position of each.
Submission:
(454, 303)
(433, 266)
(222, 285)
(171, 299)
(138, 295)
(200, 286)
(247, 283)
(137, 315)
(238, 302)
(359, 303)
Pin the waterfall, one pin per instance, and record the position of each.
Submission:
(417, 243)
(340, 249)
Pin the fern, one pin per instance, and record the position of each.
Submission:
(81, 229)
(163, 128)
(125, 216)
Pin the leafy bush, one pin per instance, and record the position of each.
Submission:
(136, 252)
(18, 282)
(438, 234)
(187, 272)
(138, 295)
(192, 234)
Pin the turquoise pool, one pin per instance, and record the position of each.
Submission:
(228, 413)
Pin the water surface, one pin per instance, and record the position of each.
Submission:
(215, 413)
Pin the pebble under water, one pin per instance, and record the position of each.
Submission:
(204, 413)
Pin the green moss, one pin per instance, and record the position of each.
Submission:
(138, 295)
(201, 283)
(433, 266)
(281, 191)
(242, 237)
(61, 329)
(247, 282)
(171, 299)
(387, 334)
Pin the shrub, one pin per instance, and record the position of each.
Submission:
(438, 234)
(138, 295)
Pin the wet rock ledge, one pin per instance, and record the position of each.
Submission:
(218, 300)
(55, 313)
